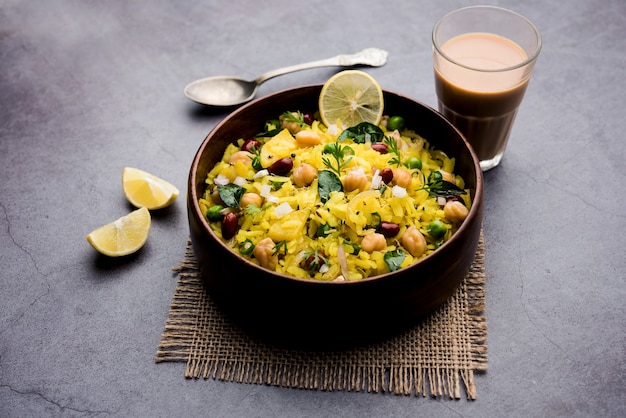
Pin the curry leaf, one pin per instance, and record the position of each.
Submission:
(231, 194)
(328, 182)
(361, 133)
(437, 186)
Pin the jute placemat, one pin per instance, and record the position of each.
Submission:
(435, 358)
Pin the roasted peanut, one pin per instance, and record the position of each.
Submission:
(355, 179)
(251, 145)
(449, 177)
(455, 211)
(304, 175)
(373, 242)
(264, 253)
(401, 177)
(281, 167)
(413, 241)
(250, 199)
(308, 139)
(387, 175)
(215, 196)
(380, 147)
(243, 156)
(230, 223)
(389, 229)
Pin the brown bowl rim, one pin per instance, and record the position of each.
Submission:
(192, 181)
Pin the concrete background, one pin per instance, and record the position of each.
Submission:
(87, 88)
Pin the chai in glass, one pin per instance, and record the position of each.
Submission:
(481, 76)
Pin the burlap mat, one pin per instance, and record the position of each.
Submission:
(434, 358)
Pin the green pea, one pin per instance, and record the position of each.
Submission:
(413, 162)
(214, 214)
(437, 229)
(395, 122)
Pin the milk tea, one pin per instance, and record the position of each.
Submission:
(478, 96)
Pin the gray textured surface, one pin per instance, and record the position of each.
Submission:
(87, 88)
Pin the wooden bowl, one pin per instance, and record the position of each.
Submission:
(301, 313)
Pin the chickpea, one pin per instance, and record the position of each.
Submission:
(215, 197)
(455, 211)
(447, 176)
(243, 156)
(250, 199)
(413, 241)
(293, 127)
(308, 139)
(373, 242)
(304, 175)
(355, 179)
(402, 177)
(264, 253)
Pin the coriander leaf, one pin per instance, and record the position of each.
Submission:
(392, 146)
(280, 246)
(394, 259)
(337, 152)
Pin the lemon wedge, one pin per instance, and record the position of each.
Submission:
(351, 97)
(123, 236)
(143, 189)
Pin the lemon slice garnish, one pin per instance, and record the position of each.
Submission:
(123, 236)
(351, 97)
(143, 189)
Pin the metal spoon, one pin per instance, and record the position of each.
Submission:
(231, 91)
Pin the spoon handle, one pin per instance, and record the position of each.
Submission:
(370, 56)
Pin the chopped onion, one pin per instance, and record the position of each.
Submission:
(265, 192)
(398, 191)
(261, 173)
(282, 209)
(221, 180)
(343, 262)
(324, 268)
(376, 180)
(441, 201)
(239, 181)
(333, 129)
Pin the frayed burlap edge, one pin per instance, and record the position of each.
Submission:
(435, 358)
